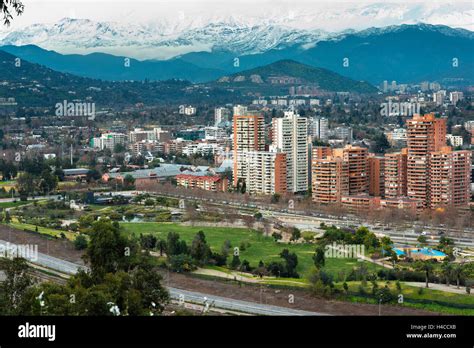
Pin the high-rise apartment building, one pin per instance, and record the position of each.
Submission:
(454, 97)
(221, 115)
(240, 110)
(321, 152)
(376, 175)
(109, 140)
(356, 158)
(249, 135)
(449, 178)
(396, 174)
(319, 128)
(264, 172)
(290, 137)
(425, 134)
(330, 179)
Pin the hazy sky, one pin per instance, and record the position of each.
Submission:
(328, 15)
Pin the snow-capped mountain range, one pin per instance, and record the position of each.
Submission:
(146, 42)
(244, 30)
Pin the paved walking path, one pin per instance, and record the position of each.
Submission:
(442, 287)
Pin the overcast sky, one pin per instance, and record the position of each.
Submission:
(307, 14)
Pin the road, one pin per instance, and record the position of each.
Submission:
(237, 305)
(70, 268)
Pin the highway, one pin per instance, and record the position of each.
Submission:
(229, 304)
(237, 305)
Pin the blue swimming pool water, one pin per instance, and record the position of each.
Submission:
(424, 251)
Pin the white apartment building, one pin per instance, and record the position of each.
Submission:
(455, 140)
(202, 149)
(438, 97)
(240, 110)
(290, 137)
(215, 133)
(221, 115)
(263, 171)
(454, 97)
(109, 140)
(319, 128)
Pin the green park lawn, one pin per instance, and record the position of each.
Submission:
(18, 203)
(261, 247)
(42, 230)
(428, 299)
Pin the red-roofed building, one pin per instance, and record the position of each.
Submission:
(209, 182)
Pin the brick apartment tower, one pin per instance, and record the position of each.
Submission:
(321, 152)
(450, 177)
(249, 135)
(425, 134)
(396, 174)
(330, 178)
(376, 169)
(356, 158)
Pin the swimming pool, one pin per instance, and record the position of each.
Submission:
(423, 251)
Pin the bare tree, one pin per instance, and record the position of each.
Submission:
(9, 6)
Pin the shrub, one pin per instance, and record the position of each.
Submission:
(80, 243)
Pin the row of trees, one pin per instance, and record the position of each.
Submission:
(122, 281)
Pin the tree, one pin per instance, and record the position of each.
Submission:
(321, 283)
(17, 281)
(148, 241)
(161, 245)
(447, 271)
(225, 249)
(27, 184)
(47, 181)
(181, 263)
(8, 218)
(9, 6)
(245, 266)
(295, 234)
(458, 272)
(80, 243)
(422, 239)
(291, 260)
(235, 263)
(153, 296)
(109, 250)
(200, 251)
(381, 143)
(128, 181)
(319, 257)
(174, 246)
(426, 267)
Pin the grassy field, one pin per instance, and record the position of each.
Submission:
(13, 204)
(42, 230)
(429, 299)
(261, 247)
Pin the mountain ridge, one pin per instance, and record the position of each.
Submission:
(407, 53)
